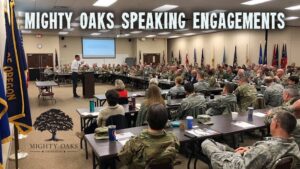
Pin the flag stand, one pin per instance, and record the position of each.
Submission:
(17, 155)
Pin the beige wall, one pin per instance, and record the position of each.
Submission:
(214, 43)
(151, 45)
(49, 44)
(71, 46)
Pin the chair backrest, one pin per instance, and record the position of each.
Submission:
(231, 107)
(123, 100)
(179, 96)
(118, 120)
(284, 163)
(195, 111)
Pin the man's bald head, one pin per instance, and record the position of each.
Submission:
(241, 72)
(280, 72)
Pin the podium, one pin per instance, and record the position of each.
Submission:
(88, 84)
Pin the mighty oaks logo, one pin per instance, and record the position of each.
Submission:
(53, 120)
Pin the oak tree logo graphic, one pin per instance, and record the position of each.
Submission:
(53, 120)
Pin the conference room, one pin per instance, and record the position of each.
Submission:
(149, 84)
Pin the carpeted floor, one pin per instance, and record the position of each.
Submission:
(64, 154)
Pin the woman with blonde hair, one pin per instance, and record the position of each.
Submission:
(123, 93)
(153, 97)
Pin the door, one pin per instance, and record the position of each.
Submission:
(151, 58)
(37, 62)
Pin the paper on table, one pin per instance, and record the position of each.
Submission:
(138, 105)
(243, 124)
(90, 114)
(123, 142)
(259, 114)
(121, 136)
(201, 132)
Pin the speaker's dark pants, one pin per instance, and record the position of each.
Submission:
(74, 81)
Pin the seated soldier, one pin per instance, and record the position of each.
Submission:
(193, 78)
(225, 104)
(240, 74)
(293, 82)
(178, 88)
(192, 101)
(123, 93)
(229, 75)
(280, 77)
(293, 109)
(153, 96)
(154, 145)
(289, 96)
(246, 94)
(201, 85)
(212, 80)
(263, 154)
(273, 93)
(113, 108)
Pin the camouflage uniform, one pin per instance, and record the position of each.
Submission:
(246, 95)
(189, 104)
(212, 81)
(282, 80)
(228, 77)
(273, 95)
(259, 80)
(142, 115)
(148, 148)
(177, 90)
(187, 75)
(220, 74)
(263, 154)
(296, 132)
(201, 85)
(223, 105)
(236, 79)
(171, 76)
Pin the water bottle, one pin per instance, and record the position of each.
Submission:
(92, 106)
(189, 122)
(250, 113)
(133, 102)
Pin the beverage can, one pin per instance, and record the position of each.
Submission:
(112, 132)
(250, 113)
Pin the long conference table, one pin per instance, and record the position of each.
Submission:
(135, 81)
(101, 99)
(223, 125)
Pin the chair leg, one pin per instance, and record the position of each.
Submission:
(189, 162)
(195, 163)
(86, 150)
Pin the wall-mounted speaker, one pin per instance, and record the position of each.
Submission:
(62, 38)
(129, 40)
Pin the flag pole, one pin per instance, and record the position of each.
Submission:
(16, 146)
